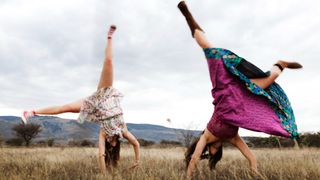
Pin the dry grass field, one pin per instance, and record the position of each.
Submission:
(156, 163)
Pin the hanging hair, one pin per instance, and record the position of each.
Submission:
(206, 154)
(215, 158)
(190, 151)
(112, 153)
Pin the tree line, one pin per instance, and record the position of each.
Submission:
(25, 133)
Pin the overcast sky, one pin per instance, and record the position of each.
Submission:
(51, 53)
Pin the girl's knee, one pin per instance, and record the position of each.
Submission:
(108, 61)
(274, 75)
(66, 108)
(69, 108)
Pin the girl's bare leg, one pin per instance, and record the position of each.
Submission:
(52, 110)
(267, 81)
(101, 158)
(275, 72)
(196, 30)
(201, 39)
(205, 139)
(106, 78)
(71, 107)
(193, 25)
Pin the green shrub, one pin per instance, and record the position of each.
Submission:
(14, 142)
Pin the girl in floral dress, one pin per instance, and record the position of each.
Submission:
(244, 96)
(102, 107)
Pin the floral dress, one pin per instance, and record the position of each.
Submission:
(103, 107)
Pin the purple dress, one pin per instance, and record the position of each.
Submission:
(235, 106)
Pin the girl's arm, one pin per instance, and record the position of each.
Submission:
(244, 149)
(136, 147)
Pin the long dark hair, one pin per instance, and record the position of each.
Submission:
(215, 158)
(206, 154)
(112, 153)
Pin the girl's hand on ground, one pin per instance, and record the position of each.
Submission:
(136, 164)
(254, 169)
(256, 174)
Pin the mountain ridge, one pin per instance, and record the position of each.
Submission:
(64, 130)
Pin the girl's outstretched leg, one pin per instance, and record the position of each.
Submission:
(201, 39)
(193, 25)
(267, 81)
(275, 72)
(196, 31)
(73, 107)
(106, 78)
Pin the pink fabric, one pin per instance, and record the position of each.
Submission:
(235, 106)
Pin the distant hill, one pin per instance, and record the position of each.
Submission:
(63, 130)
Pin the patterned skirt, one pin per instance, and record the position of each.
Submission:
(242, 71)
(103, 107)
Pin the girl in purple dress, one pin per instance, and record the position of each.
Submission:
(102, 107)
(244, 96)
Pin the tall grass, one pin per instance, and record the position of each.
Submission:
(156, 163)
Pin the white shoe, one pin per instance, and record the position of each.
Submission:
(26, 115)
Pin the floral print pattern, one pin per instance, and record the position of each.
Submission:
(103, 107)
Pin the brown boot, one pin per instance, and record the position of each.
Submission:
(186, 13)
(290, 65)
